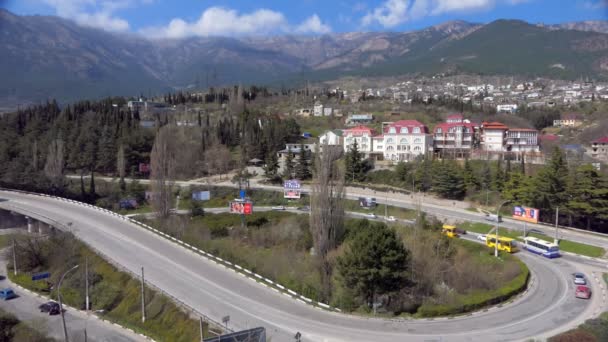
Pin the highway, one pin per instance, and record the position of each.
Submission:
(547, 307)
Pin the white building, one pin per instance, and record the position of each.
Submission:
(332, 138)
(362, 135)
(327, 111)
(493, 136)
(318, 109)
(506, 108)
(404, 140)
(522, 140)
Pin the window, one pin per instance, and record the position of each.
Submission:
(417, 149)
(390, 148)
(390, 141)
(392, 130)
(404, 130)
(416, 129)
(417, 141)
(403, 141)
(439, 130)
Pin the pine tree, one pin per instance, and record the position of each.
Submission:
(589, 195)
(354, 164)
(302, 169)
(469, 178)
(288, 166)
(448, 181)
(271, 167)
(549, 185)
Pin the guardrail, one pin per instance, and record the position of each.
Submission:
(228, 265)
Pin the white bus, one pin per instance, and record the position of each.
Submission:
(542, 247)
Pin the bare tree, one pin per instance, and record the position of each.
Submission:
(55, 161)
(162, 173)
(327, 211)
(120, 165)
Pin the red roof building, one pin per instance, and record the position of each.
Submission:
(599, 148)
(362, 135)
(404, 140)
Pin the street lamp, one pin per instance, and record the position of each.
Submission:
(65, 330)
(497, 222)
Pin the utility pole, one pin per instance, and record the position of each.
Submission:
(201, 327)
(65, 329)
(143, 298)
(86, 283)
(14, 258)
(556, 224)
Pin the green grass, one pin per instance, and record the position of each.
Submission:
(13, 329)
(5, 240)
(564, 245)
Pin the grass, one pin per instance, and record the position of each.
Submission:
(115, 292)
(13, 329)
(564, 245)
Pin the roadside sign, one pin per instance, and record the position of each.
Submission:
(41, 276)
(242, 194)
(526, 214)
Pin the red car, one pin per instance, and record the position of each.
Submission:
(583, 292)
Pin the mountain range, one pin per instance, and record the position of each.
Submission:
(50, 57)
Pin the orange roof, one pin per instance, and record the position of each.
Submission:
(493, 125)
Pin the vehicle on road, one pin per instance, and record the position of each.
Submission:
(482, 237)
(51, 307)
(579, 279)
(493, 218)
(583, 292)
(542, 247)
(504, 243)
(304, 208)
(390, 218)
(7, 294)
(278, 207)
(452, 231)
(371, 215)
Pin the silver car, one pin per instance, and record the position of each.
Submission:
(579, 279)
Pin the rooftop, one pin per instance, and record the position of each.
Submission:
(602, 140)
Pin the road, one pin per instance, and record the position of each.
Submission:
(25, 307)
(547, 307)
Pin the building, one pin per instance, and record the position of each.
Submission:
(493, 136)
(327, 111)
(318, 109)
(305, 112)
(332, 138)
(362, 135)
(599, 149)
(296, 150)
(359, 119)
(145, 105)
(455, 137)
(522, 140)
(506, 108)
(568, 120)
(404, 140)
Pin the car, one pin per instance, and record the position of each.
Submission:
(304, 208)
(493, 218)
(371, 215)
(579, 279)
(390, 218)
(51, 307)
(7, 294)
(482, 237)
(278, 207)
(583, 292)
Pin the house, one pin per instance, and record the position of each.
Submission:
(362, 135)
(456, 136)
(506, 108)
(359, 119)
(522, 140)
(454, 118)
(332, 138)
(305, 112)
(599, 148)
(327, 111)
(493, 136)
(568, 120)
(296, 150)
(318, 109)
(404, 140)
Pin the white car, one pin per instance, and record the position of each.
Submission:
(371, 215)
(390, 218)
(481, 237)
(278, 207)
(579, 279)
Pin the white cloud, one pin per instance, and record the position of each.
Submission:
(392, 13)
(219, 21)
(313, 25)
(595, 5)
(94, 13)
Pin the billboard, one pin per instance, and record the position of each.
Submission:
(526, 214)
(367, 202)
(240, 207)
(201, 195)
(291, 189)
(144, 168)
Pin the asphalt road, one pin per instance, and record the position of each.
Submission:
(25, 307)
(547, 307)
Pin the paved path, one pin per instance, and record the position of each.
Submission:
(549, 305)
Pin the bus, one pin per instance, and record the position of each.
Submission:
(542, 247)
(450, 231)
(504, 243)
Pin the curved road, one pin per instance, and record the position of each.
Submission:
(549, 305)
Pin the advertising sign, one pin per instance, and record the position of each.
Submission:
(242, 194)
(292, 184)
(41, 276)
(239, 207)
(201, 195)
(291, 189)
(526, 214)
(293, 194)
(367, 202)
(128, 203)
(144, 168)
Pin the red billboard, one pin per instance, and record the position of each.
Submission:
(239, 207)
(526, 214)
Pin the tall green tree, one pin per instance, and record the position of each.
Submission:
(355, 169)
(423, 176)
(448, 181)
(288, 166)
(588, 198)
(302, 169)
(271, 167)
(550, 185)
(518, 189)
(374, 263)
(470, 181)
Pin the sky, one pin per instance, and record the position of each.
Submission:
(187, 18)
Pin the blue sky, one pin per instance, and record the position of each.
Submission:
(183, 18)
